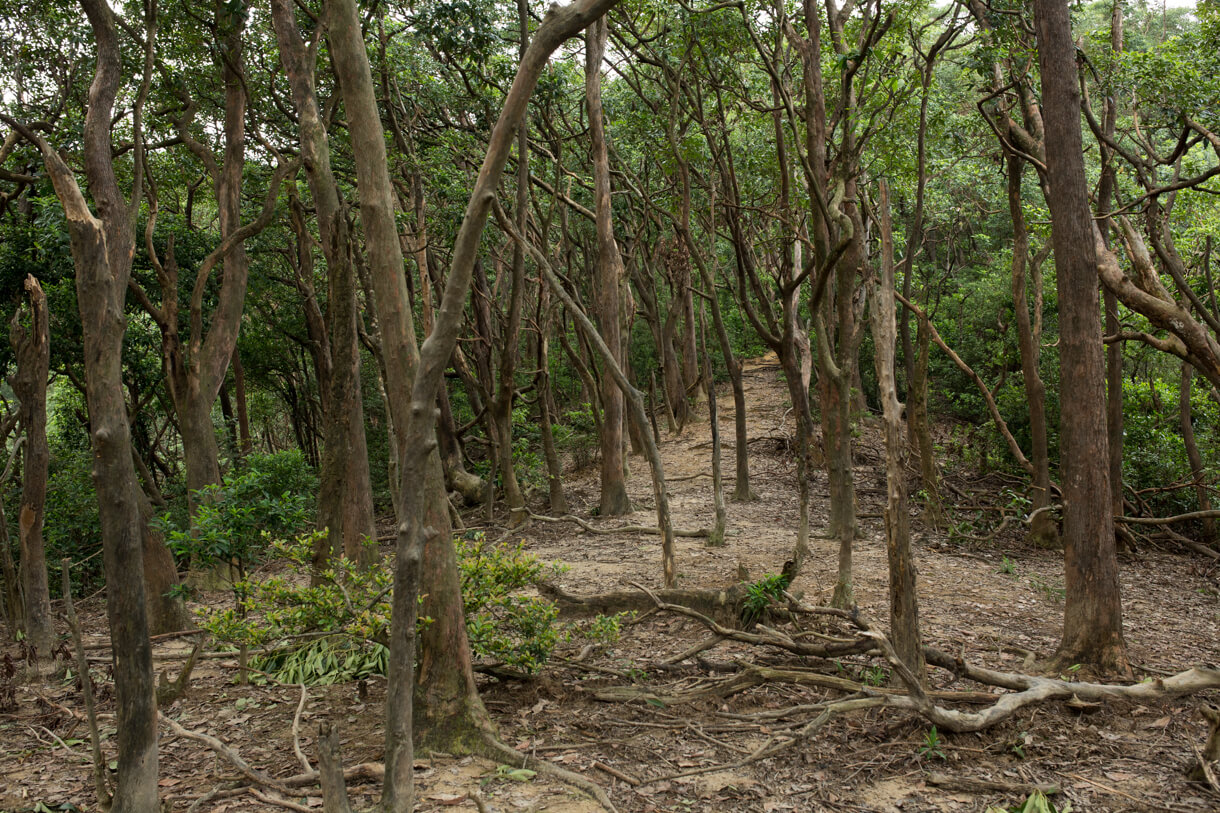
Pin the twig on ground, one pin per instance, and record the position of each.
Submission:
(296, 731)
(616, 773)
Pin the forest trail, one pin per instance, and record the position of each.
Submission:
(966, 598)
(995, 601)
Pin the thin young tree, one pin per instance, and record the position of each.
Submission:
(33, 349)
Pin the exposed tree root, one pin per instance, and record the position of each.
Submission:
(827, 647)
(697, 533)
(1022, 690)
(494, 749)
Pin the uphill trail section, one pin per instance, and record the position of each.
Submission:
(997, 602)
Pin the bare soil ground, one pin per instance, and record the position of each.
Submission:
(989, 601)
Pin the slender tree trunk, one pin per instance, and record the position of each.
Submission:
(918, 426)
(501, 402)
(1092, 625)
(32, 348)
(244, 441)
(1197, 472)
(345, 499)
(1114, 351)
(609, 278)
(102, 248)
(1043, 531)
(904, 599)
(557, 500)
(716, 537)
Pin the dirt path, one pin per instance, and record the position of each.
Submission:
(985, 599)
(980, 599)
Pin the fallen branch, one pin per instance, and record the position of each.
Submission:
(1027, 690)
(1212, 514)
(617, 774)
(721, 603)
(234, 758)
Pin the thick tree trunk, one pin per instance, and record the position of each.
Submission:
(1114, 351)
(1043, 531)
(200, 451)
(904, 600)
(32, 348)
(834, 379)
(609, 279)
(1092, 625)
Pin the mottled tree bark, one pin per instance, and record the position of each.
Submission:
(904, 600)
(102, 249)
(345, 500)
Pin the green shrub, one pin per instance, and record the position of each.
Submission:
(334, 625)
(503, 624)
(271, 497)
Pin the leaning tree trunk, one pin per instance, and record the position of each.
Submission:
(609, 276)
(904, 601)
(32, 348)
(1092, 624)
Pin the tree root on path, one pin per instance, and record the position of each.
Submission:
(697, 533)
(1021, 690)
(499, 751)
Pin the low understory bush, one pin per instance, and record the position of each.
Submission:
(333, 626)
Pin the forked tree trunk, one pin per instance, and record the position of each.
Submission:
(418, 375)
(1092, 624)
(32, 348)
(608, 280)
(904, 600)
